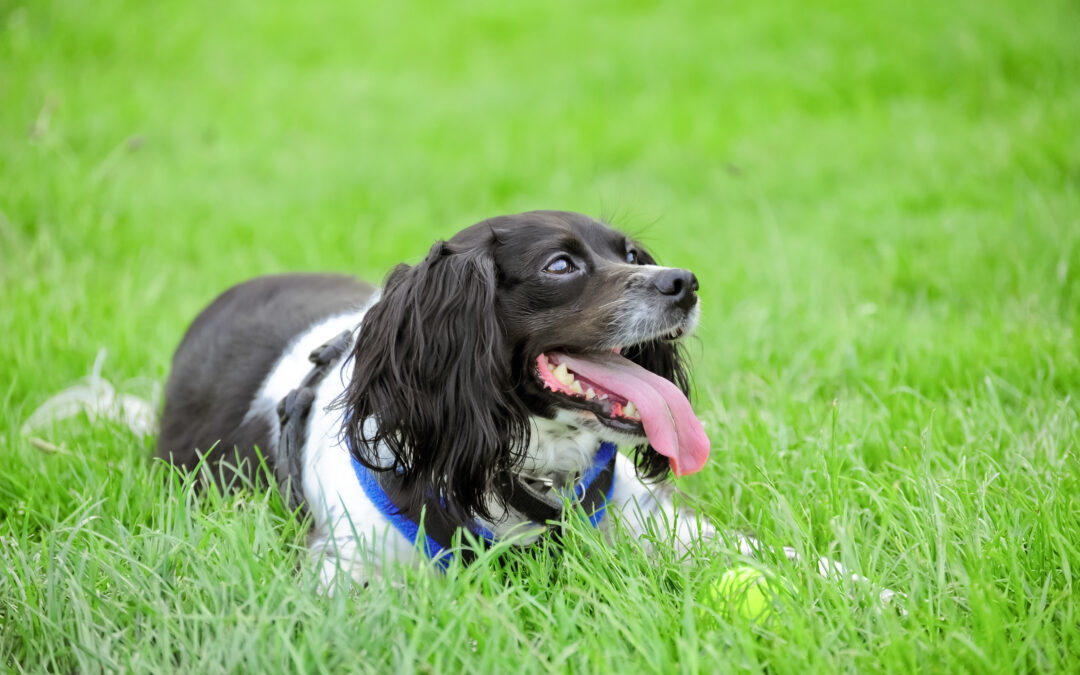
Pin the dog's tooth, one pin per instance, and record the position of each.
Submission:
(563, 375)
(631, 411)
(603, 397)
(590, 393)
(575, 387)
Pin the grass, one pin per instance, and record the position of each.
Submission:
(882, 202)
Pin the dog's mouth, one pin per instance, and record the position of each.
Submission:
(629, 399)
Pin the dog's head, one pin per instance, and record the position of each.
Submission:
(543, 313)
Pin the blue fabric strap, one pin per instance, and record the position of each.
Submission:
(592, 492)
(399, 520)
(440, 554)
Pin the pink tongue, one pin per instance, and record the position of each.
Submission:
(673, 429)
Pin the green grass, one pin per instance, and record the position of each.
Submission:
(882, 202)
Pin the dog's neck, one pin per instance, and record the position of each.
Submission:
(560, 452)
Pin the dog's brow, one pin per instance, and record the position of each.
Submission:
(572, 244)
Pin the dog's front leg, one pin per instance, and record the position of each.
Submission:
(646, 508)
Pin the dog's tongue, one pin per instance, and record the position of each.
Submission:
(673, 429)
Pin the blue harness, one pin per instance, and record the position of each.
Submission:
(439, 550)
(591, 493)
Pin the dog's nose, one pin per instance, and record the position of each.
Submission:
(680, 286)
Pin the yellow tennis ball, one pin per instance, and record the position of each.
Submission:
(741, 593)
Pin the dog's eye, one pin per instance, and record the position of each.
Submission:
(560, 265)
(631, 257)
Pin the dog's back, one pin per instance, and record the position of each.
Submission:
(228, 352)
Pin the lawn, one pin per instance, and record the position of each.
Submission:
(882, 203)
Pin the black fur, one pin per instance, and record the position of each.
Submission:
(431, 366)
(445, 359)
(226, 354)
(444, 363)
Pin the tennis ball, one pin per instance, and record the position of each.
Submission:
(741, 593)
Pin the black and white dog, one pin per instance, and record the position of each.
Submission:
(479, 391)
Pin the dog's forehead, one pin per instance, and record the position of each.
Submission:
(539, 231)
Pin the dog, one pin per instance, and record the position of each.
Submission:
(476, 396)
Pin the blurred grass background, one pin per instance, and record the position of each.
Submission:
(880, 199)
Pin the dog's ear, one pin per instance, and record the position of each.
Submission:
(431, 381)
